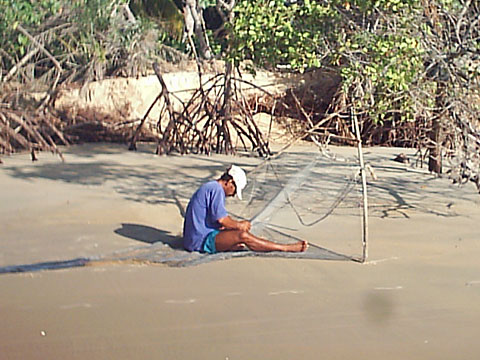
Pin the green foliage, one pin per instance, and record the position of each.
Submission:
(367, 6)
(270, 33)
(388, 66)
(379, 47)
(354, 36)
(383, 50)
(23, 12)
(90, 38)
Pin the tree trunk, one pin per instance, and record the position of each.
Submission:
(435, 150)
(226, 113)
(195, 25)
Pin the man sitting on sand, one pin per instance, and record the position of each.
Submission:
(208, 228)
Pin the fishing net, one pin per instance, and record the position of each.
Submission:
(312, 196)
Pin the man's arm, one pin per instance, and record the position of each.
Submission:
(228, 223)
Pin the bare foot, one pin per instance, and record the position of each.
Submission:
(299, 246)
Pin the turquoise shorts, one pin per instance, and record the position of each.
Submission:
(209, 244)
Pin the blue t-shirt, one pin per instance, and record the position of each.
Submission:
(204, 210)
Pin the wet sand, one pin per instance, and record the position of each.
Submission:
(418, 296)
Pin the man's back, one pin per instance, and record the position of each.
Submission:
(206, 206)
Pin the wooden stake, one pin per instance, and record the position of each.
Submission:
(364, 189)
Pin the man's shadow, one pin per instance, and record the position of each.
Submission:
(149, 235)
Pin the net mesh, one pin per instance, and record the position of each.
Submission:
(312, 196)
(296, 195)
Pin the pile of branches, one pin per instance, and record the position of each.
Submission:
(82, 44)
(30, 132)
(72, 44)
(444, 94)
(28, 127)
(329, 121)
(216, 119)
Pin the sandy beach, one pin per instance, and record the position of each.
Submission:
(417, 296)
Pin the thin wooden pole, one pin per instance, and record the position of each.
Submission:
(364, 189)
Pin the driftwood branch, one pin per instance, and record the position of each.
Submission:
(133, 142)
(22, 62)
(49, 55)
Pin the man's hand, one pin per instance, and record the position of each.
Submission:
(228, 223)
(244, 225)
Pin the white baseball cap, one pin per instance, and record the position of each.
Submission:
(239, 177)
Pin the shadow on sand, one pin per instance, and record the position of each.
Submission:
(142, 233)
(149, 235)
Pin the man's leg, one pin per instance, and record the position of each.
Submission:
(230, 240)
